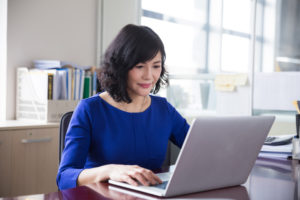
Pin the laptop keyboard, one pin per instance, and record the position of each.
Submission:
(163, 185)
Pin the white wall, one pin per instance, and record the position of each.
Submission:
(67, 30)
(116, 14)
(57, 29)
(3, 36)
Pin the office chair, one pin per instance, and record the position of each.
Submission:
(64, 124)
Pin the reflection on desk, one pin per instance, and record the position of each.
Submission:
(274, 179)
(269, 179)
(238, 192)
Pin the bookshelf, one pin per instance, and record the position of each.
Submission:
(47, 94)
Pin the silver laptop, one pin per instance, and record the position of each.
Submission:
(218, 152)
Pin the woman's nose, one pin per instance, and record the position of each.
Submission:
(147, 73)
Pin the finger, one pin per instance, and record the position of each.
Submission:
(139, 177)
(154, 176)
(157, 179)
(129, 180)
(150, 176)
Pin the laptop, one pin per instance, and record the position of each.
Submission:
(218, 152)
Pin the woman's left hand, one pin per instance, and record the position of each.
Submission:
(133, 175)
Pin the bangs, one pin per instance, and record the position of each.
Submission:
(146, 48)
(145, 55)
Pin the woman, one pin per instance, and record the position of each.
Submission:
(122, 133)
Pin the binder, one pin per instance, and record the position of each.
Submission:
(50, 86)
(87, 85)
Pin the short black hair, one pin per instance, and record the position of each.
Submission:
(132, 45)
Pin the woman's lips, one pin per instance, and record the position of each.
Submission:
(147, 85)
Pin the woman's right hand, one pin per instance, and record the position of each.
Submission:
(132, 174)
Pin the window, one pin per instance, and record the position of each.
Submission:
(202, 38)
(205, 37)
(183, 29)
(186, 54)
(206, 33)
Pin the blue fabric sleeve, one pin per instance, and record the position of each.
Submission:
(77, 144)
(180, 126)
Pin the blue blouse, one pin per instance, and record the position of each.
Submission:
(101, 134)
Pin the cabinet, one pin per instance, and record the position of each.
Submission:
(5, 163)
(29, 158)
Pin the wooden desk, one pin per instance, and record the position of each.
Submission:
(269, 179)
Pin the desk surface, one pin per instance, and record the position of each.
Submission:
(19, 124)
(269, 179)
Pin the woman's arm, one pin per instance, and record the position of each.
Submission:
(72, 170)
(77, 144)
(131, 174)
(179, 125)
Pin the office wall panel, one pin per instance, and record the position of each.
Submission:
(61, 30)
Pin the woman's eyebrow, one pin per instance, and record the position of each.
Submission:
(157, 62)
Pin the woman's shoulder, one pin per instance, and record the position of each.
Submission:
(90, 101)
(161, 102)
(158, 99)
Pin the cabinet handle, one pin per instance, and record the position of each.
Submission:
(27, 141)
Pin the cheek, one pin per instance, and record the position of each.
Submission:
(157, 75)
(132, 75)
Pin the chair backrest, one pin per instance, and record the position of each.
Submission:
(64, 124)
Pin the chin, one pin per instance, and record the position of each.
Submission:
(144, 93)
(141, 92)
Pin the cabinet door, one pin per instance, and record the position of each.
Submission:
(5, 163)
(34, 161)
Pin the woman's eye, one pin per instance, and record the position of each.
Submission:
(139, 66)
(156, 66)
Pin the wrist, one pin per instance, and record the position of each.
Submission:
(104, 172)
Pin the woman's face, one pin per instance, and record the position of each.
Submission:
(143, 77)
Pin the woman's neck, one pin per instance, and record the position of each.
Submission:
(138, 103)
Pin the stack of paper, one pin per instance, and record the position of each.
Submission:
(277, 149)
(280, 151)
(47, 64)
